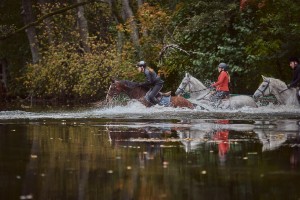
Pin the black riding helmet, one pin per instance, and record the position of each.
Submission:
(141, 64)
(223, 66)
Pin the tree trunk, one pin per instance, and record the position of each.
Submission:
(140, 3)
(134, 33)
(28, 17)
(83, 28)
(47, 22)
(116, 15)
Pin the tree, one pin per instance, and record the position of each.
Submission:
(28, 17)
(83, 27)
(134, 32)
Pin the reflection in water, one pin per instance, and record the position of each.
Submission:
(140, 159)
(275, 134)
(221, 136)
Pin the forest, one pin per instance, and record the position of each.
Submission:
(72, 49)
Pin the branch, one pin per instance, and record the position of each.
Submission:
(58, 11)
(175, 46)
(171, 46)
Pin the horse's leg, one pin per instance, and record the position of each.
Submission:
(224, 104)
(145, 102)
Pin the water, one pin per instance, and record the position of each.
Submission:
(131, 152)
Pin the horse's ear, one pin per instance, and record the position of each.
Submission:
(112, 79)
(264, 78)
(187, 74)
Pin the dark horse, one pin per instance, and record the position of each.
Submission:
(133, 91)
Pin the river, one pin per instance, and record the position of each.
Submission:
(133, 152)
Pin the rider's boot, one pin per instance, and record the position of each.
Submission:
(154, 100)
(148, 100)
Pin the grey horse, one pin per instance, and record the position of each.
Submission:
(276, 87)
(200, 95)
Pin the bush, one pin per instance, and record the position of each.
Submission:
(65, 72)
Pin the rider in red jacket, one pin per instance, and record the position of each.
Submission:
(222, 85)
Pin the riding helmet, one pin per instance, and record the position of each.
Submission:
(141, 64)
(223, 66)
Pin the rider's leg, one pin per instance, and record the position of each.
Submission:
(216, 98)
(152, 96)
(226, 94)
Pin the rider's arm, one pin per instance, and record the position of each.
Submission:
(220, 79)
(147, 82)
(296, 79)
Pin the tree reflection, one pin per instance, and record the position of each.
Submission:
(177, 160)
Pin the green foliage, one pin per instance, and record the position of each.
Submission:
(253, 41)
(66, 73)
(153, 22)
(257, 40)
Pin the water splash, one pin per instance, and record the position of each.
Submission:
(136, 110)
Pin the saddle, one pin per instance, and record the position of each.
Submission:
(166, 94)
(163, 98)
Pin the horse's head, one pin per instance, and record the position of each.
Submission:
(131, 89)
(115, 88)
(184, 85)
(264, 89)
(270, 86)
(190, 84)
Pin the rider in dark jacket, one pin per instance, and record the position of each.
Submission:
(294, 64)
(152, 80)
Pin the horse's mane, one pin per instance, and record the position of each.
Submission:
(129, 84)
(196, 81)
(278, 83)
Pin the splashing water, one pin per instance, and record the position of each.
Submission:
(135, 109)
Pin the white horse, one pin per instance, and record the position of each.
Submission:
(279, 89)
(200, 95)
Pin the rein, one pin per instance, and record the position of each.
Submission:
(283, 90)
(268, 84)
(204, 96)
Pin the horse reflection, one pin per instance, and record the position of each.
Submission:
(191, 139)
(274, 134)
(193, 134)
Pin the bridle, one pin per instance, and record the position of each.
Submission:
(188, 83)
(265, 88)
(112, 91)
